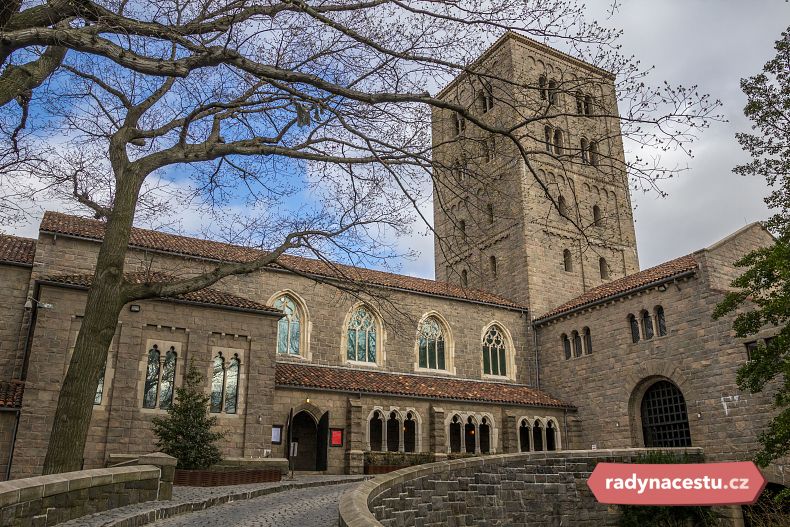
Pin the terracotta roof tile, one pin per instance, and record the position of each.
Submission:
(17, 250)
(11, 394)
(628, 283)
(203, 296)
(354, 380)
(55, 222)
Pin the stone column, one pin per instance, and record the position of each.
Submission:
(437, 439)
(167, 471)
(355, 452)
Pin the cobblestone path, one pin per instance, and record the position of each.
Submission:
(309, 507)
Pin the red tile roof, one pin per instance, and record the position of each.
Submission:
(55, 222)
(11, 394)
(204, 296)
(355, 380)
(17, 250)
(633, 282)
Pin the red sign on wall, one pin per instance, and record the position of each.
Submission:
(336, 437)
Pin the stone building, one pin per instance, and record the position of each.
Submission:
(530, 339)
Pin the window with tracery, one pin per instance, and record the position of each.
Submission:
(160, 378)
(362, 336)
(431, 345)
(494, 352)
(289, 327)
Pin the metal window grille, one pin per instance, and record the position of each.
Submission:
(664, 418)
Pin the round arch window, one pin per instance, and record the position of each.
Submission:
(664, 417)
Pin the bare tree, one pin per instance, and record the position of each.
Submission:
(252, 102)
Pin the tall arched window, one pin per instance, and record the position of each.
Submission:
(647, 325)
(660, 321)
(579, 103)
(492, 264)
(547, 137)
(362, 336)
(375, 432)
(410, 433)
(464, 278)
(469, 436)
(289, 327)
(588, 104)
(490, 213)
(523, 435)
(393, 433)
(567, 260)
(566, 346)
(462, 229)
(562, 206)
(431, 345)
(494, 352)
(633, 323)
(553, 91)
(224, 384)
(485, 436)
(217, 383)
(455, 434)
(558, 142)
(542, 87)
(597, 215)
(604, 268)
(460, 123)
(577, 344)
(160, 379)
(537, 436)
(551, 438)
(584, 146)
(587, 341)
(593, 153)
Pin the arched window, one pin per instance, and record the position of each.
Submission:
(579, 103)
(537, 436)
(577, 344)
(487, 153)
(566, 346)
(634, 325)
(593, 153)
(523, 436)
(664, 417)
(224, 384)
(462, 229)
(409, 434)
(562, 206)
(588, 104)
(604, 268)
(460, 123)
(486, 98)
(431, 345)
(551, 438)
(455, 434)
(362, 336)
(485, 436)
(553, 91)
(647, 325)
(542, 87)
(217, 383)
(584, 146)
(492, 263)
(547, 137)
(159, 379)
(558, 142)
(289, 327)
(376, 432)
(596, 215)
(464, 278)
(660, 322)
(567, 260)
(494, 352)
(587, 341)
(469, 436)
(490, 213)
(393, 433)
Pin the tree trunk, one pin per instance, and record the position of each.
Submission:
(105, 300)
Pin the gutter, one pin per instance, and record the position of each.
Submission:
(539, 322)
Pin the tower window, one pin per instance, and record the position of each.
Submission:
(634, 325)
(588, 103)
(562, 206)
(583, 149)
(604, 267)
(492, 262)
(547, 137)
(566, 346)
(661, 323)
(462, 228)
(542, 87)
(579, 103)
(486, 99)
(567, 260)
(558, 142)
(596, 215)
(490, 213)
(460, 123)
(552, 91)
(464, 278)
(577, 344)
(494, 352)
(647, 325)
(594, 153)
(587, 341)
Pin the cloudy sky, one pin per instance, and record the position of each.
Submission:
(712, 43)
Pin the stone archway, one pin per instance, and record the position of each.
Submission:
(305, 433)
(661, 415)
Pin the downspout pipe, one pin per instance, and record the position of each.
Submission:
(13, 445)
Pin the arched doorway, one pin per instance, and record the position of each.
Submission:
(665, 420)
(304, 432)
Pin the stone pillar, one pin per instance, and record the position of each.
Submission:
(508, 433)
(167, 471)
(437, 439)
(355, 451)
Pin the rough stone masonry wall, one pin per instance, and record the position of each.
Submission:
(536, 489)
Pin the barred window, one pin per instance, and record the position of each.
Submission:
(160, 378)
(431, 345)
(494, 352)
(664, 417)
(362, 336)
(289, 327)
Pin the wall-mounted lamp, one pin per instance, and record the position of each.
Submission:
(699, 415)
(42, 305)
(617, 425)
(134, 308)
(260, 419)
(307, 400)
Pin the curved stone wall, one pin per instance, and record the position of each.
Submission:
(535, 489)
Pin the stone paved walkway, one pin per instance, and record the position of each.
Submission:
(281, 501)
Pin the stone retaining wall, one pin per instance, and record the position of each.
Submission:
(535, 489)
(52, 499)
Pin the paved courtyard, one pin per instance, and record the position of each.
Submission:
(309, 507)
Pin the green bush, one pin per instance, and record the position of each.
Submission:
(186, 432)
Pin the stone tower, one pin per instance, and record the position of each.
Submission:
(497, 217)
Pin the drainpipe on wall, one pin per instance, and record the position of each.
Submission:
(30, 327)
(565, 424)
(537, 355)
(13, 444)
